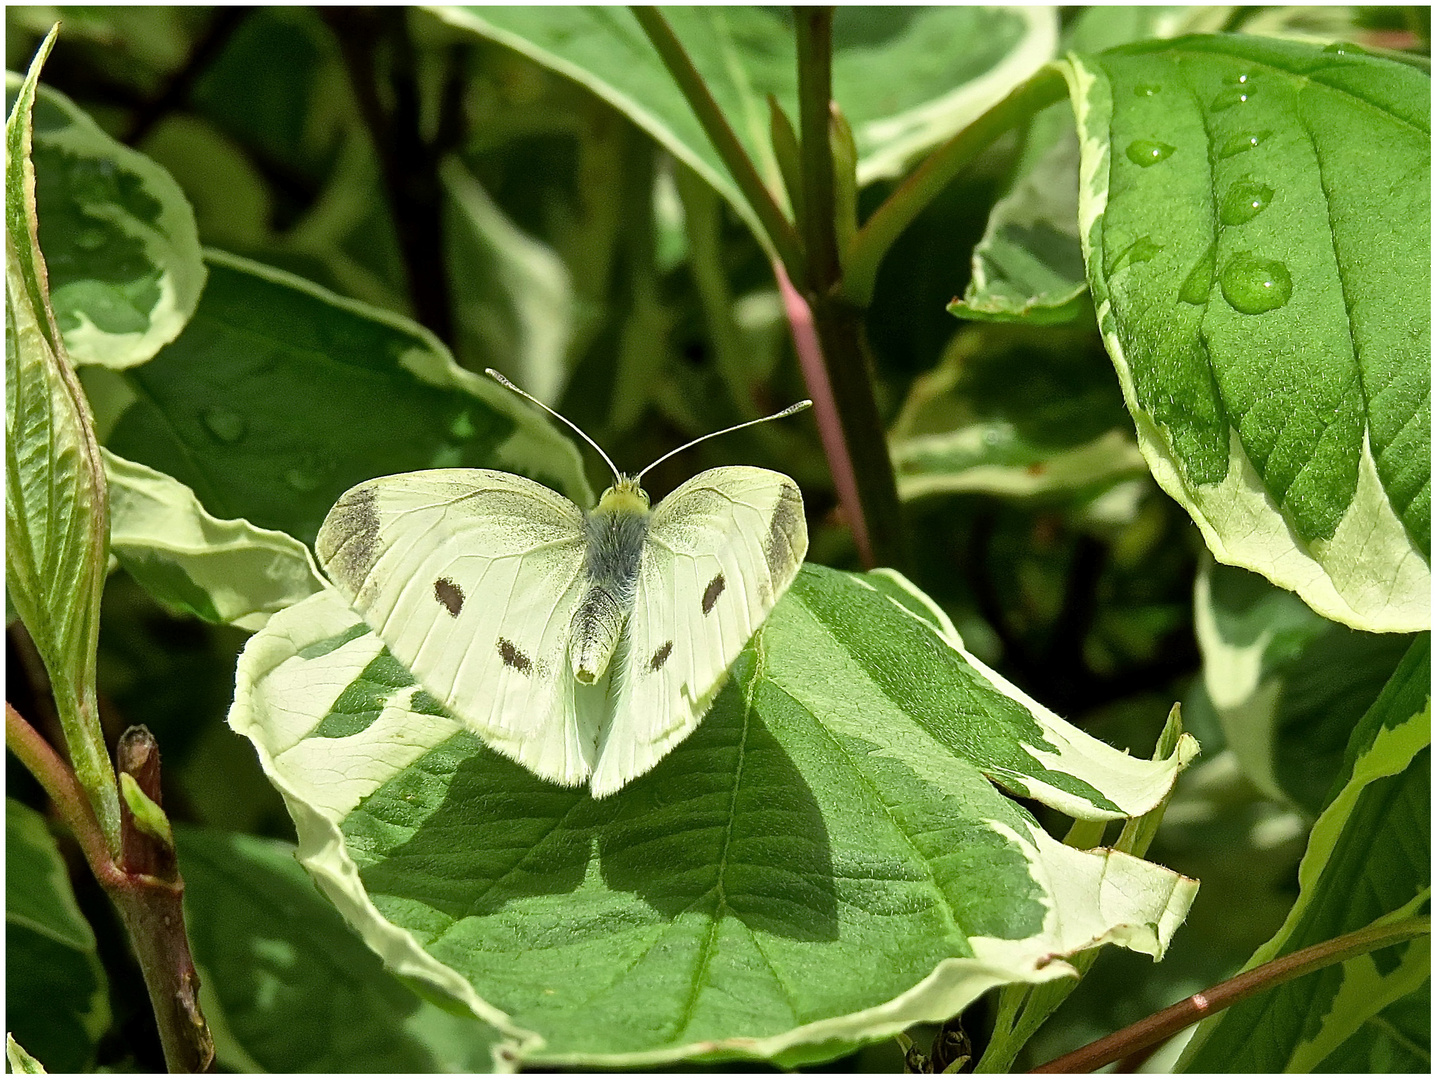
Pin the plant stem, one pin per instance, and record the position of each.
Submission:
(814, 27)
(897, 212)
(59, 782)
(855, 441)
(780, 230)
(1167, 1023)
(145, 886)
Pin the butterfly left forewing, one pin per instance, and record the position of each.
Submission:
(720, 551)
(469, 577)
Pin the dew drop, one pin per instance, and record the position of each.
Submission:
(1240, 144)
(1198, 284)
(1143, 249)
(89, 239)
(1253, 285)
(1243, 202)
(1146, 89)
(224, 424)
(308, 474)
(1344, 48)
(1226, 99)
(1147, 152)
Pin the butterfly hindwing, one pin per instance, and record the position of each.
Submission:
(720, 551)
(470, 576)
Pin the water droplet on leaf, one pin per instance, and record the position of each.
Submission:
(1146, 89)
(1198, 284)
(1243, 202)
(1143, 249)
(1147, 152)
(1253, 285)
(1239, 144)
(224, 424)
(1237, 95)
(308, 474)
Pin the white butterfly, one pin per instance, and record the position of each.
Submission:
(585, 646)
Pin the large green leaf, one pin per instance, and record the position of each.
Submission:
(118, 235)
(906, 78)
(1368, 858)
(1261, 280)
(280, 395)
(1288, 685)
(822, 863)
(55, 513)
(57, 997)
(287, 987)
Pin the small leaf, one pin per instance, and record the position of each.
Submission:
(1268, 319)
(148, 814)
(20, 1059)
(118, 234)
(823, 863)
(55, 513)
(57, 998)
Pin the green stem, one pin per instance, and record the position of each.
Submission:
(898, 211)
(780, 230)
(59, 782)
(1167, 1023)
(814, 27)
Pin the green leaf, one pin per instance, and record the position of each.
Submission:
(1288, 685)
(55, 513)
(280, 395)
(287, 987)
(823, 863)
(968, 425)
(515, 311)
(906, 78)
(226, 571)
(118, 235)
(1368, 859)
(57, 996)
(1268, 318)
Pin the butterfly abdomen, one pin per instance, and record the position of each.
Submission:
(613, 542)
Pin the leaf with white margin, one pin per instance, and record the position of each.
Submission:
(1368, 860)
(118, 234)
(1288, 685)
(1268, 319)
(280, 395)
(812, 869)
(223, 570)
(906, 78)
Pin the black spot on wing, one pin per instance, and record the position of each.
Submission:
(713, 592)
(348, 542)
(514, 658)
(783, 531)
(661, 656)
(450, 595)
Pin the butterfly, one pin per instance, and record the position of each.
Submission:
(583, 645)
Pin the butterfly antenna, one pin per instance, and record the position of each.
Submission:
(505, 382)
(797, 406)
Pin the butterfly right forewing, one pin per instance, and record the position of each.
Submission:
(470, 577)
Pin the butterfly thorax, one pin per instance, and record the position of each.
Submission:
(614, 534)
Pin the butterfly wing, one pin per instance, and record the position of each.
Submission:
(720, 551)
(470, 577)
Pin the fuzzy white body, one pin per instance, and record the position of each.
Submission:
(585, 646)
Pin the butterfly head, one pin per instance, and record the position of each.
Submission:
(625, 497)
